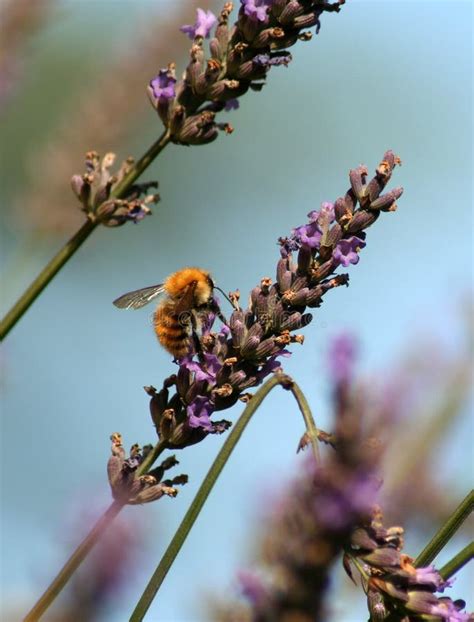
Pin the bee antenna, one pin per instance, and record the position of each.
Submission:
(224, 294)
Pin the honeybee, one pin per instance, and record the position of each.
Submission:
(187, 292)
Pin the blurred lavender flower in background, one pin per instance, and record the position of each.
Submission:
(89, 119)
(20, 20)
(331, 510)
(395, 589)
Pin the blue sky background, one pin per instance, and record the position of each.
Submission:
(379, 75)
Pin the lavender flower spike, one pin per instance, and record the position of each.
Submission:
(221, 366)
(205, 22)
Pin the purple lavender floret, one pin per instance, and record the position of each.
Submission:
(231, 104)
(199, 412)
(347, 251)
(163, 86)
(204, 371)
(308, 235)
(257, 10)
(266, 60)
(205, 22)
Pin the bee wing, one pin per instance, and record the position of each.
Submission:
(186, 302)
(139, 297)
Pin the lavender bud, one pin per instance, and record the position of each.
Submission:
(305, 258)
(362, 220)
(77, 184)
(324, 270)
(290, 11)
(215, 49)
(341, 212)
(267, 37)
(308, 20)
(249, 346)
(290, 322)
(284, 275)
(237, 378)
(237, 328)
(314, 297)
(350, 200)
(265, 348)
(386, 201)
(297, 299)
(198, 129)
(357, 178)
(334, 235)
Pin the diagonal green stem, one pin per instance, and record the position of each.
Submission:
(44, 277)
(86, 545)
(61, 258)
(209, 481)
(458, 561)
(446, 532)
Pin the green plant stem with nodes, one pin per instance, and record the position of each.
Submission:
(86, 545)
(59, 260)
(447, 531)
(211, 478)
(458, 561)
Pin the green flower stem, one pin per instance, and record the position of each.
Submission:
(458, 561)
(73, 562)
(59, 260)
(446, 532)
(209, 481)
(311, 428)
(86, 545)
(143, 163)
(44, 277)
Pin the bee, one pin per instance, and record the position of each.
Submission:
(188, 292)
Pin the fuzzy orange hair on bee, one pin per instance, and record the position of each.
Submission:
(186, 293)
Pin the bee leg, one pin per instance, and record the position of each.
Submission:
(217, 310)
(195, 338)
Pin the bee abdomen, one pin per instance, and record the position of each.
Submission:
(171, 332)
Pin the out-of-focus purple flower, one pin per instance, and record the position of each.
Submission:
(336, 506)
(341, 357)
(257, 10)
(163, 85)
(252, 586)
(199, 412)
(205, 22)
(347, 251)
(231, 104)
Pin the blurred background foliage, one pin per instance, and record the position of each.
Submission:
(379, 75)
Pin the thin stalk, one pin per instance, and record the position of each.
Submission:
(45, 276)
(446, 532)
(61, 258)
(207, 485)
(73, 562)
(458, 561)
(311, 428)
(86, 545)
